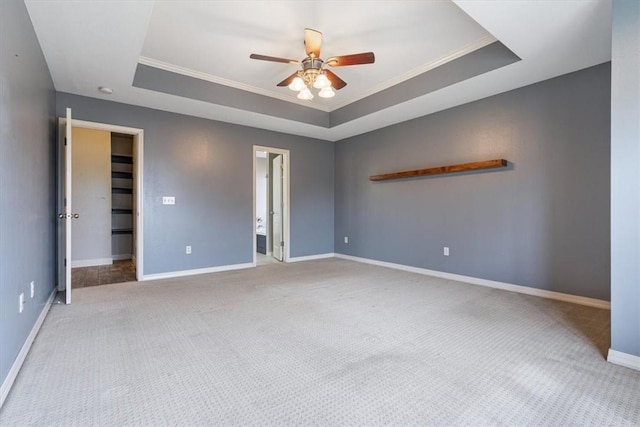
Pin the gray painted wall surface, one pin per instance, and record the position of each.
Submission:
(208, 167)
(625, 178)
(542, 222)
(27, 192)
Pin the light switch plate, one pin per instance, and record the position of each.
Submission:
(168, 200)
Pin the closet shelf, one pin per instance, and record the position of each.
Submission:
(122, 231)
(120, 158)
(123, 175)
(121, 190)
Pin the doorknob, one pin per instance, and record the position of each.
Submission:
(61, 216)
(76, 216)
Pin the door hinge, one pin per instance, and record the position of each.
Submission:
(65, 140)
(282, 244)
(65, 262)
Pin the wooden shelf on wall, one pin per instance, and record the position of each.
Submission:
(487, 164)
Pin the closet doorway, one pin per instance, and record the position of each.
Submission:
(104, 169)
(270, 205)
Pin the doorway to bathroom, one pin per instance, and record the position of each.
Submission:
(271, 205)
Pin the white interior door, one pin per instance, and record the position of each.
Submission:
(65, 213)
(91, 182)
(277, 208)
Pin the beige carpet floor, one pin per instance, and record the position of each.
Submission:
(328, 342)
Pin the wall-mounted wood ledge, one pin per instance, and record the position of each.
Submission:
(487, 164)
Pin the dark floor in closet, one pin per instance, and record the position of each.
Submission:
(119, 271)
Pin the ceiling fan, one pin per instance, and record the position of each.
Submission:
(313, 72)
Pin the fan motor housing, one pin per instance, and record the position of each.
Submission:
(312, 64)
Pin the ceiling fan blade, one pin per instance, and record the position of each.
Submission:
(312, 42)
(336, 82)
(354, 59)
(273, 59)
(288, 80)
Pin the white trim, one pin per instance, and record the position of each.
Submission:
(471, 47)
(103, 126)
(285, 198)
(139, 173)
(624, 359)
(121, 257)
(22, 355)
(138, 139)
(312, 257)
(91, 262)
(559, 296)
(253, 203)
(290, 96)
(173, 274)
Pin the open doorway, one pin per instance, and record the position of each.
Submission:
(271, 205)
(105, 171)
(102, 182)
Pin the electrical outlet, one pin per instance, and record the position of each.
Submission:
(168, 200)
(346, 239)
(21, 303)
(446, 251)
(188, 250)
(33, 288)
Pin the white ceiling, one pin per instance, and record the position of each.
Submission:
(95, 43)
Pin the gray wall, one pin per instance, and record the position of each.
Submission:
(542, 222)
(208, 167)
(625, 178)
(27, 192)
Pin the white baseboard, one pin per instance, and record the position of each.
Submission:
(311, 257)
(121, 257)
(22, 355)
(624, 359)
(559, 296)
(173, 274)
(91, 262)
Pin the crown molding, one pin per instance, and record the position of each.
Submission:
(150, 62)
(471, 47)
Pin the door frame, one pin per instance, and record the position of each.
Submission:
(285, 200)
(138, 148)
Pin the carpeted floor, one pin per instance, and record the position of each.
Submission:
(328, 342)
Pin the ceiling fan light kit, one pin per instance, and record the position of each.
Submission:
(322, 82)
(326, 92)
(297, 84)
(313, 73)
(305, 94)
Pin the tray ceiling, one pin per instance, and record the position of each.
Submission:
(155, 54)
